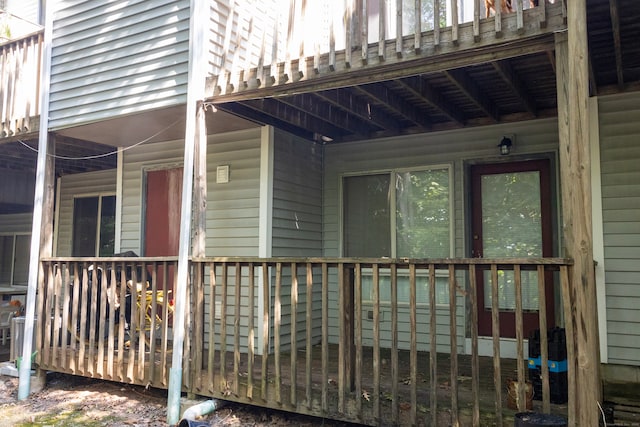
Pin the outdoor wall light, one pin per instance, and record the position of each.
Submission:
(505, 145)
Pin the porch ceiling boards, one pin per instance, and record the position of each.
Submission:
(72, 156)
(499, 86)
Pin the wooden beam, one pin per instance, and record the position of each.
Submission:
(615, 28)
(511, 78)
(461, 79)
(300, 119)
(575, 171)
(324, 111)
(345, 99)
(420, 87)
(394, 102)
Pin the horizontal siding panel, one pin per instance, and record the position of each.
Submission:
(115, 58)
(16, 223)
(619, 153)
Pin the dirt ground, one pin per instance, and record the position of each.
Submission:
(69, 400)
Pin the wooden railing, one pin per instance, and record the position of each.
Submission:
(20, 67)
(348, 339)
(286, 42)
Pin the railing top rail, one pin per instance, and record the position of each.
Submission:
(389, 261)
(33, 35)
(330, 260)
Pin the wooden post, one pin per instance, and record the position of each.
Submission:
(575, 170)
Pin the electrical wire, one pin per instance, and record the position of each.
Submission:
(98, 156)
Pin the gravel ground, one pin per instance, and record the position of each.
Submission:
(68, 400)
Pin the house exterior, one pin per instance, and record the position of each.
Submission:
(347, 180)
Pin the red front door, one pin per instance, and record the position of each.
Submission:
(511, 217)
(162, 214)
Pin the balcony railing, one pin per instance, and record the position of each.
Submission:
(350, 339)
(258, 45)
(20, 67)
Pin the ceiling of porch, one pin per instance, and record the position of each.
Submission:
(516, 88)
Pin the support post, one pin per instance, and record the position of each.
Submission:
(40, 204)
(195, 94)
(575, 170)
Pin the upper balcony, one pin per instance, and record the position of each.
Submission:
(275, 47)
(20, 66)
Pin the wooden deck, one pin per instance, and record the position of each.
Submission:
(247, 341)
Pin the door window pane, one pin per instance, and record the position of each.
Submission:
(512, 227)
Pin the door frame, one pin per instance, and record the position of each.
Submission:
(546, 164)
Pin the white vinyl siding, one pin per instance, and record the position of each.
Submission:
(82, 184)
(418, 151)
(619, 153)
(115, 58)
(297, 226)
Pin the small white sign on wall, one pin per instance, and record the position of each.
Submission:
(222, 174)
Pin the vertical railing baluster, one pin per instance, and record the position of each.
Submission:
(453, 341)
(102, 315)
(357, 308)
(382, 24)
(293, 395)
(56, 315)
(277, 322)
(495, 328)
(122, 319)
(376, 342)
(433, 348)
(399, 28)
(75, 304)
(498, 17)
(394, 343)
(342, 341)
(475, 368)
(476, 20)
(112, 321)
(266, 301)
(223, 328)
(66, 284)
(325, 338)
(568, 304)
(544, 344)
(142, 319)
(83, 306)
(134, 327)
(436, 23)
(309, 336)
(236, 328)
(417, 26)
(197, 321)
(348, 45)
(169, 292)
(454, 22)
(211, 360)
(251, 331)
(93, 305)
(520, 17)
(364, 32)
(521, 396)
(413, 345)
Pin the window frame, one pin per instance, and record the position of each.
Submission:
(99, 196)
(440, 273)
(15, 235)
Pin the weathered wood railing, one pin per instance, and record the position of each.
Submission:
(311, 340)
(107, 318)
(350, 339)
(20, 66)
(287, 42)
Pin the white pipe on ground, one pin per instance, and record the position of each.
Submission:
(202, 408)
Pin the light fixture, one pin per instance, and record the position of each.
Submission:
(505, 145)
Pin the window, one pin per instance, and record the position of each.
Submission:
(14, 259)
(94, 220)
(399, 214)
